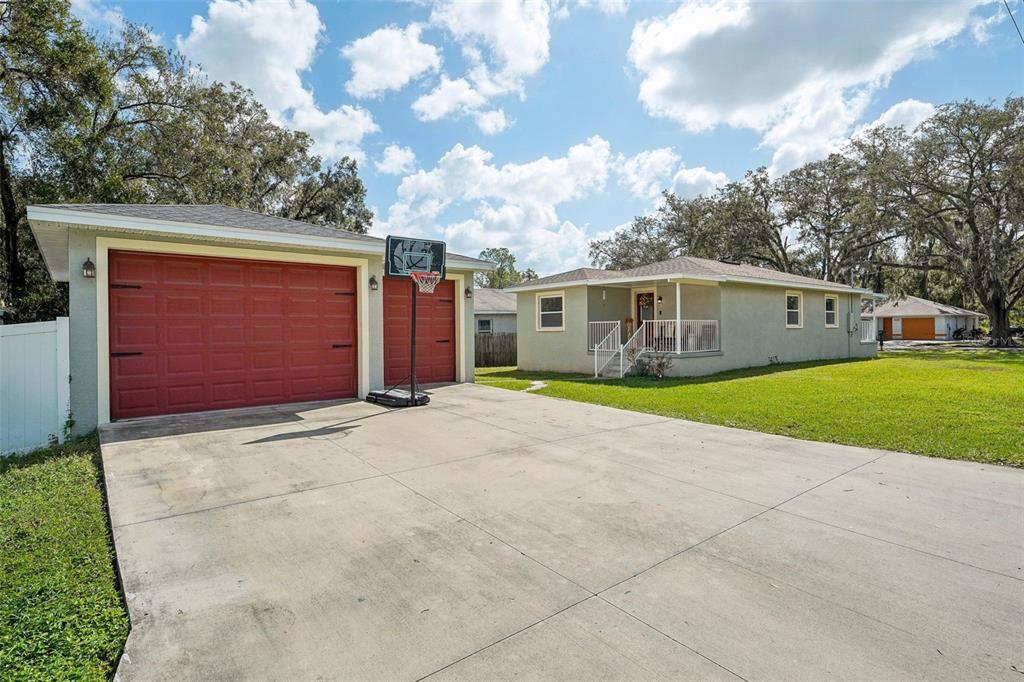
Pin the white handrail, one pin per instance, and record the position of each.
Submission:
(598, 332)
(634, 347)
(610, 343)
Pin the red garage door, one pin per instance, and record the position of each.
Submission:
(435, 332)
(192, 333)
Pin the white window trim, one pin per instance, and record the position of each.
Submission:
(835, 311)
(490, 326)
(549, 294)
(800, 309)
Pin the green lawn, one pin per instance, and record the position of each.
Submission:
(61, 614)
(957, 405)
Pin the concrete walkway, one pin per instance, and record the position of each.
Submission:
(500, 535)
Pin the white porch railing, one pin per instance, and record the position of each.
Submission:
(633, 349)
(653, 336)
(681, 336)
(606, 348)
(598, 332)
(698, 336)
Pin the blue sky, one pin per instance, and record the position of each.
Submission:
(540, 126)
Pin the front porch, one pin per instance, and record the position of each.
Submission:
(675, 317)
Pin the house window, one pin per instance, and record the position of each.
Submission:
(831, 311)
(794, 310)
(550, 312)
(483, 326)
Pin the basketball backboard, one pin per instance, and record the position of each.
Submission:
(406, 255)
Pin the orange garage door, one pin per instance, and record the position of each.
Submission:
(920, 328)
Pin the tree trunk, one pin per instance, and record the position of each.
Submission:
(15, 273)
(999, 319)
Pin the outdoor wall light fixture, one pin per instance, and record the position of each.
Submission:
(659, 300)
(88, 269)
(469, 293)
(373, 283)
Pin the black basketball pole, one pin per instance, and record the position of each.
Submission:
(412, 351)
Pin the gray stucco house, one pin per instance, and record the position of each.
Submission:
(191, 308)
(708, 316)
(495, 311)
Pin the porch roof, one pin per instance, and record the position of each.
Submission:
(685, 267)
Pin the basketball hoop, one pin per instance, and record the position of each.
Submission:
(426, 281)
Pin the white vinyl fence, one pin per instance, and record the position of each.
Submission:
(34, 384)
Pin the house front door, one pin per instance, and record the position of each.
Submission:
(644, 310)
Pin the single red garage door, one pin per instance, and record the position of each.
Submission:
(194, 333)
(435, 332)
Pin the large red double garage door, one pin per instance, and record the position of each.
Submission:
(435, 332)
(194, 333)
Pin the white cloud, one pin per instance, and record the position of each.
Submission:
(650, 172)
(491, 122)
(449, 97)
(909, 114)
(388, 59)
(396, 160)
(800, 73)
(692, 182)
(609, 7)
(514, 205)
(647, 173)
(504, 43)
(457, 97)
(267, 46)
(97, 15)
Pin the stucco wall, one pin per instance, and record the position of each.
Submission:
(83, 323)
(752, 328)
(501, 323)
(555, 351)
(608, 304)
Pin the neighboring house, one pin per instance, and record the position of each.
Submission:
(708, 316)
(919, 319)
(495, 311)
(186, 308)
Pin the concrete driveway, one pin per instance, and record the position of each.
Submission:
(499, 535)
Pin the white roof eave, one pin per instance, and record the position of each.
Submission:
(64, 219)
(823, 286)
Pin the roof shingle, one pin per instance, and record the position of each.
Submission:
(912, 306)
(218, 215)
(681, 267)
(493, 301)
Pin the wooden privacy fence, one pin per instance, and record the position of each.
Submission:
(495, 350)
(34, 384)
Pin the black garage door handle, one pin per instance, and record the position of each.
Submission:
(123, 354)
(341, 345)
(444, 340)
